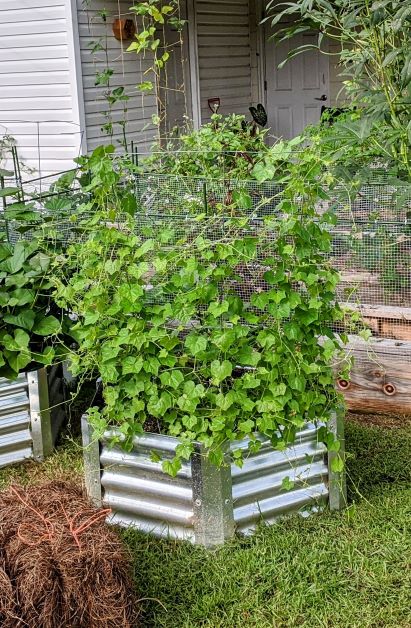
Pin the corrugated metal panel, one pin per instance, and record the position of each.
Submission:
(257, 487)
(15, 436)
(27, 425)
(36, 83)
(224, 55)
(129, 71)
(141, 495)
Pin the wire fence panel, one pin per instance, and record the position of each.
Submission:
(371, 249)
(371, 242)
(372, 246)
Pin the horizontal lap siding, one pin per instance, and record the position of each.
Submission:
(36, 84)
(224, 55)
(129, 69)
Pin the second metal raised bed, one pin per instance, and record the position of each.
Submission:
(31, 413)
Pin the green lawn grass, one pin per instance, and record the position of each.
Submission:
(324, 571)
(344, 570)
(66, 463)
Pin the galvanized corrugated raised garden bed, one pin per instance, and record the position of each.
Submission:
(205, 504)
(30, 415)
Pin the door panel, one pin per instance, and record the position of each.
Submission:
(282, 78)
(311, 114)
(283, 117)
(294, 91)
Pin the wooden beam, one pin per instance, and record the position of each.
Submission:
(383, 311)
(380, 379)
(386, 321)
(357, 277)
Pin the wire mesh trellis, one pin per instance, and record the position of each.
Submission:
(371, 241)
(49, 201)
(371, 249)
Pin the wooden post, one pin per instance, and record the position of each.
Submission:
(380, 378)
(386, 321)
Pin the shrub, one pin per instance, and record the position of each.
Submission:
(31, 324)
(374, 40)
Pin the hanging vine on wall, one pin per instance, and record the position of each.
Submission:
(150, 26)
(111, 95)
(151, 41)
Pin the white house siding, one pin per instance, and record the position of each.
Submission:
(129, 71)
(38, 104)
(224, 55)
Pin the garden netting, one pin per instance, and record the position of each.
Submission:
(371, 240)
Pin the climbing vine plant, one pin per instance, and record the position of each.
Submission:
(154, 20)
(111, 95)
(180, 336)
(151, 41)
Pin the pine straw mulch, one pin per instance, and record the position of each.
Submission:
(60, 564)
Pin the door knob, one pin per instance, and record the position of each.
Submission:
(323, 98)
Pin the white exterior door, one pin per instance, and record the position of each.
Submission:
(295, 93)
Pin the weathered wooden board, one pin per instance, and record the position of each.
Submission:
(380, 380)
(357, 277)
(387, 321)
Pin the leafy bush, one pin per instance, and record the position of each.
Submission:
(31, 325)
(173, 319)
(227, 147)
(373, 139)
(375, 39)
(26, 318)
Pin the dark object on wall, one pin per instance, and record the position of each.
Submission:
(124, 30)
(259, 115)
(214, 104)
